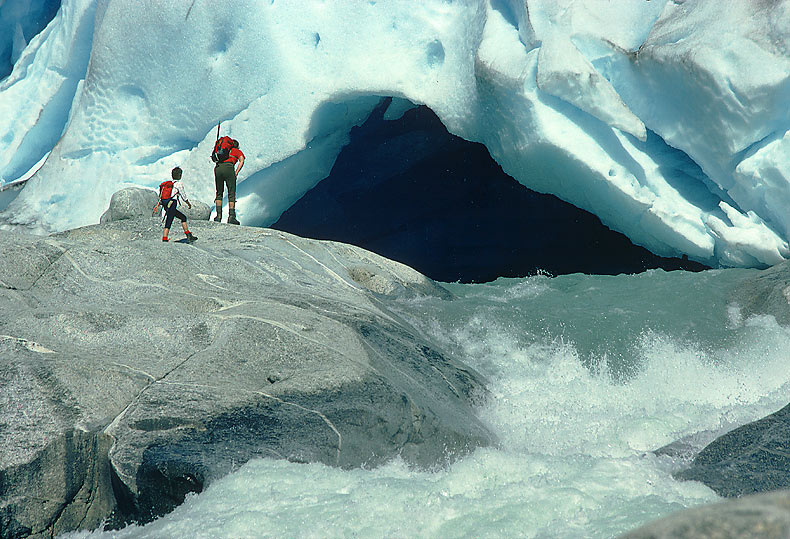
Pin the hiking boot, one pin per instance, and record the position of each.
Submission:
(191, 237)
(232, 220)
(218, 218)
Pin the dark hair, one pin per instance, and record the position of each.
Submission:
(235, 143)
(176, 173)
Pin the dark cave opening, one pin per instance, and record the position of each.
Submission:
(409, 190)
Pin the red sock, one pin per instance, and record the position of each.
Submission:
(164, 238)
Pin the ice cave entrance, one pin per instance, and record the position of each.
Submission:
(409, 190)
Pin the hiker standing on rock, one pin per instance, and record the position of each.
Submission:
(170, 192)
(229, 159)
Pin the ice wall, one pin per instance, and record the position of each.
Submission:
(37, 97)
(665, 118)
(21, 20)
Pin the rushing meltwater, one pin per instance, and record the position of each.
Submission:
(587, 376)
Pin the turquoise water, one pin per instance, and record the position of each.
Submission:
(588, 375)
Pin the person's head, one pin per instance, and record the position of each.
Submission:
(235, 143)
(176, 173)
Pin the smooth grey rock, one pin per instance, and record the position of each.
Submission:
(752, 458)
(683, 450)
(200, 211)
(137, 202)
(760, 516)
(766, 293)
(130, 203)
(135, 371)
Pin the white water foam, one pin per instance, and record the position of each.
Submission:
(575, 456)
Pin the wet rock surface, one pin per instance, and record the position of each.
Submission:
(761, 516)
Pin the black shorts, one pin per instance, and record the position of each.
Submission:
(171, 211)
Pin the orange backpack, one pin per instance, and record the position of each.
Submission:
(166, 190)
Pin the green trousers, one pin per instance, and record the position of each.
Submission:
(225, 174)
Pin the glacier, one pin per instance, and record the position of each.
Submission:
(667, 119)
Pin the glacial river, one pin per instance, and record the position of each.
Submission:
(588, 375)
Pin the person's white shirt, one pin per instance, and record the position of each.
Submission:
(179, 192)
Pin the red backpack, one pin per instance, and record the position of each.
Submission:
(222, 149)
(166, 190)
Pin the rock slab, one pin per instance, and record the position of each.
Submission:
(134, 371)
(761, 516)
(752, 458)
(767, 293)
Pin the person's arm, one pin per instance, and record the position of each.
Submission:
(239, 163)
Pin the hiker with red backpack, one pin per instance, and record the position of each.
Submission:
(170, 192)
(229, 159)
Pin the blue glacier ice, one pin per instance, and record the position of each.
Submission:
(591, 101)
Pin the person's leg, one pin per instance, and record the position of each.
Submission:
(232, 197)
(219, 183)
(190, 237)
(183, 218)
(170, 210)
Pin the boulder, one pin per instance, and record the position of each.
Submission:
(766, 293)
(135, 371)
(130, 203)
(137, 202)
(752, 458)
(200, 211)
(760, 516)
